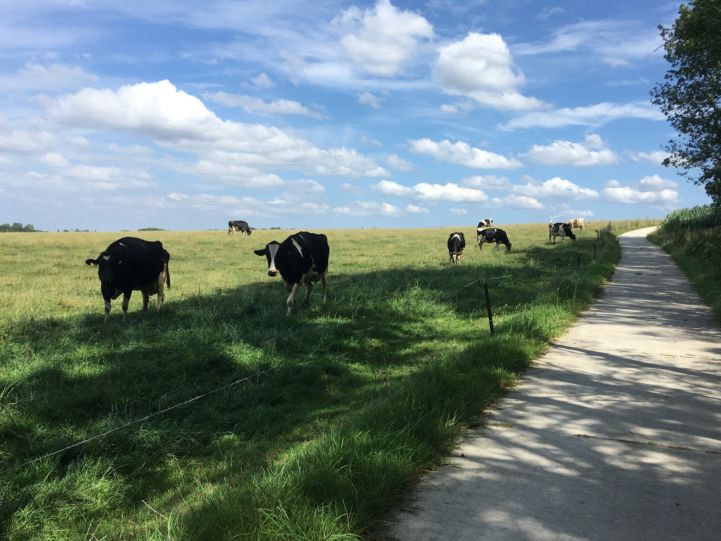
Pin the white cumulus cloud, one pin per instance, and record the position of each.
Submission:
(177, 119)
(590, 115)
(480, 67)
(368, 208)
(653, 190)
(257, 105)
(593, 151)
(386, 39)
(462, 153)
(557, 188)
(655, 156)
(486, 182)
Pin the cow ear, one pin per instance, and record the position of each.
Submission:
(259, 252)
(91, 262)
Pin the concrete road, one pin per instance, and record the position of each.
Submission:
(615, 434)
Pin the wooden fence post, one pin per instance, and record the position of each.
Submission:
(488, 308)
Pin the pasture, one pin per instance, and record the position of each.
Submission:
(307, 427)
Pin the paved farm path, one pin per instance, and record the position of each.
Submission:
(614, 434)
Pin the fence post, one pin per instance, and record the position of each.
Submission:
(488, 308)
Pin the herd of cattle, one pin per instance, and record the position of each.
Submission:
(131, 264)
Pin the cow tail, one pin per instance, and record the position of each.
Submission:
(167, 269)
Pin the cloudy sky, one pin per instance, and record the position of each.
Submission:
(185, 114)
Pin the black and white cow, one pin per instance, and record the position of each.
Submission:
(492, 234)
(456, 244)
(238, 225)
(486, 222)
(302, 257)
(130, 264)
(560, 229)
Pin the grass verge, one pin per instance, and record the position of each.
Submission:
(693, 239)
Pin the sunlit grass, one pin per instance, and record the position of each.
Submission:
(360, 394)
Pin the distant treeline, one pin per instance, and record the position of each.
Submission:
(17, 227)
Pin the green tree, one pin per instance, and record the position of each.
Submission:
(690, 95)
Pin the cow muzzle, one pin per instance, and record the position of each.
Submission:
(272, 273)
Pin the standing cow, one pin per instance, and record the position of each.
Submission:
(578, 223)
(302, 257)
(456, 244)
(492, 234)
(560, 229)
(239, 225)
(130, 264)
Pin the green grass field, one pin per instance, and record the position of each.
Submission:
(355, 398)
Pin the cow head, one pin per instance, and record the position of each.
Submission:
(569, 231)
(270, 251)
(109, 269)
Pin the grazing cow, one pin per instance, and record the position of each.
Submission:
(131, 264)
(578, 223)
(560, 229)
(302, 257)
(492, 234)
(456, 244)
(486, 222)
(238, 225)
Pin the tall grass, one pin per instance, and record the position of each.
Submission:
(693, 238)
(356, 397)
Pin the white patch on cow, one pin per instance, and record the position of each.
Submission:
(297, 246)
(272, 251)
(291, 298)
(456, 236)
(106, 257)
(121, 244)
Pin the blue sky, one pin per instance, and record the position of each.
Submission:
(183, 115)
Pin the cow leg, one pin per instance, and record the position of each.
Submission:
(291, 298)
(308, 289)
(324, 280)
(126, 301)
(107, 309)
(161, 287)
(146, 298)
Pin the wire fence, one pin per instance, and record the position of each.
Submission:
(143, 419)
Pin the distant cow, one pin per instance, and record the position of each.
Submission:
(130, 264)
(492, 234)
(486, 222)
(560, 229)
(238, 225)
(302, 257)
(456, 244)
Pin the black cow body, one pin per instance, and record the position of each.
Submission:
(238, 225)
(130, 264)
(560, 229)
(492, 234)
(302, 257)
(456, 244)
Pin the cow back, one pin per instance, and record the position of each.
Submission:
(301, 253)
(142, 261)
